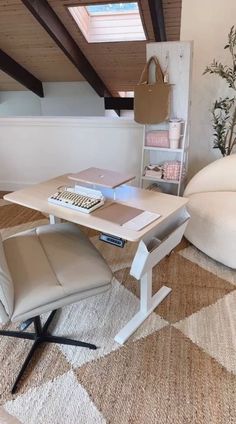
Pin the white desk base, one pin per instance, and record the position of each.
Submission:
(53, 219)
(147, 304)
(145, 262)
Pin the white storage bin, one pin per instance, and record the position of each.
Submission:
(151, 252)
(153, 244)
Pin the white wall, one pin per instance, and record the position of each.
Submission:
(19, 103)
(35, 149)
(60, 99)
(207, 23)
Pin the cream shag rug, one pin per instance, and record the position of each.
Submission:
(178, 368)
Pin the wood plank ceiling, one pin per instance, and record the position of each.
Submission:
(118, 64)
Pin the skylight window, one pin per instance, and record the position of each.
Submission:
(112, 7)
(109, 22)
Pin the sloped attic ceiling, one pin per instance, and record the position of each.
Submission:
(118, 64)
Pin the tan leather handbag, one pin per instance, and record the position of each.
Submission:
(151, 101)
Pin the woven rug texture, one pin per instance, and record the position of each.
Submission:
(178, 368)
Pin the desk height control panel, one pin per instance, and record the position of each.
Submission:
(116, 241)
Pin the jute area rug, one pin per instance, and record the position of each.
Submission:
(178, 368)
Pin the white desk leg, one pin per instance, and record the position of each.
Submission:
(53, 219)
(147, 304)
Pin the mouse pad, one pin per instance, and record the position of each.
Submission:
(117, 213)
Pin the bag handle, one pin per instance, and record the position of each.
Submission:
(144, 79)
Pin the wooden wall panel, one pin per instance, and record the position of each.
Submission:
(172, 16)
(22, 38)
(9, 84)
(118, 64)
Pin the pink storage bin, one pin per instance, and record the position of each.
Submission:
(171, 170)
(158, 139)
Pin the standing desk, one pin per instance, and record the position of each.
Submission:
(156, 240)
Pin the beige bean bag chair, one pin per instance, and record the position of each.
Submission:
(212, 206)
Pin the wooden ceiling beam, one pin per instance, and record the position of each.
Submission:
(20, 74)
(158, 21)
(49, 20)
(120, 103)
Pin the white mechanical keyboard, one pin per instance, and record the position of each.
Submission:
(81, 199)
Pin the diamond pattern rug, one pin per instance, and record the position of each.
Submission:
(178, 368)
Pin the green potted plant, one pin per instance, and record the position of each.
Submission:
(224, 109)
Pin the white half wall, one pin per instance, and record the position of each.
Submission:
(36, 149)
(207, 23)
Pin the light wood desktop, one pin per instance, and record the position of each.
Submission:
(168, 228)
